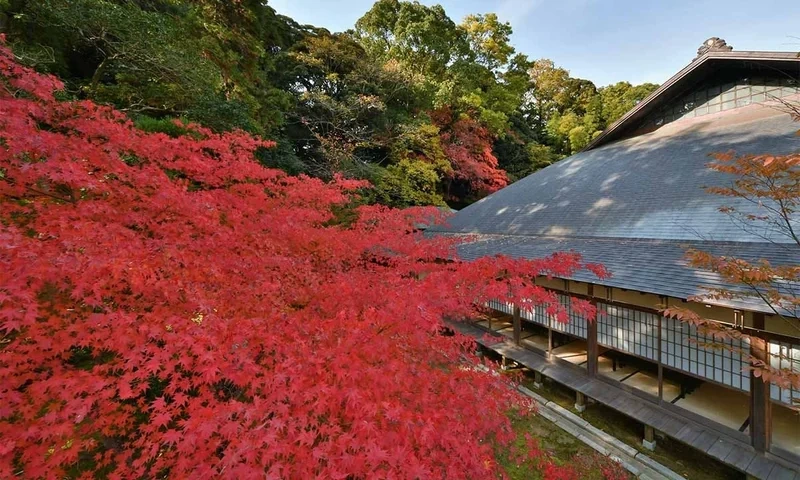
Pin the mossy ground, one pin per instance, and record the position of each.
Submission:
(562, 447)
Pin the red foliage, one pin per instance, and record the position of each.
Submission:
(468, 146)
(170, 308)
(19, 78)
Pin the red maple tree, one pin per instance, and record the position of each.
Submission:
(468, 146)
(171, 308)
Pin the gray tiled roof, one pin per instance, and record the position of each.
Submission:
(634, 205)
(651, 266)
(650, 186)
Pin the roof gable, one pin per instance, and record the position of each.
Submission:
(707, 65)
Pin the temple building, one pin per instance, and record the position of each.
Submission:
(635, 200)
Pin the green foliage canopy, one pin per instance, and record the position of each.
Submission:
(357, 103)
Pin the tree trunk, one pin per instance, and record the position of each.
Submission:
(98, 73)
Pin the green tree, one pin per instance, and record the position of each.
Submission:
(550, 89)
(419, 165)
(489, 39)
(100, 46)
(206, 60)
(423, 38)
(347, 108)
(409, 183)
(357, 103)
(579, 137)
(455, 66)
(620, 97)
(520, 151)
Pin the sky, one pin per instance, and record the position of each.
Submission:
(604, 41)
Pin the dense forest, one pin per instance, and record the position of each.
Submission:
(429, 110)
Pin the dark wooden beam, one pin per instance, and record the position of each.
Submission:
(591, 338)
(759, 319)
(660, 365)
(760, 405)
(591, 348)
(517, 325)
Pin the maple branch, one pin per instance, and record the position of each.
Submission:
(11, 181)
(745, 224)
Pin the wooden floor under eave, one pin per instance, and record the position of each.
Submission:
(731, 451)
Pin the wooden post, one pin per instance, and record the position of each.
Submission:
(660, 365)
(537, 379)
(649, 441)
(580, 402)
(760, 405)
(591, 339)
(665, 302)
(517, 325)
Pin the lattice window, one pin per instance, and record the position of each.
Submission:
(785, 356)
(538, 315)
(628, 330)
(682, 348)
(713, 98)
(506, 307)
(576, 324)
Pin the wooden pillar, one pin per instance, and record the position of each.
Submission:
(591, 339)
(649, 441)
(665, 301)
(591, 348)
(760, 405)
(549, 339)
(537, 379)
(517, 325)
(580, 402)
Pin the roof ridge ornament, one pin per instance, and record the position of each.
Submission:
(713, 44)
